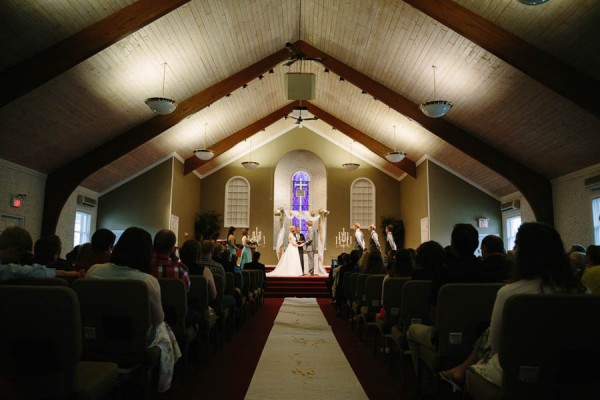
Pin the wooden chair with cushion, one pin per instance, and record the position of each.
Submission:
(41, 345)
(175, 305)
(359, 297)
(391, 299)
(463, 312)
(548, 349)
(224, 321)
(198, 301)
(372, 303)
(414, 308)
(115, 316)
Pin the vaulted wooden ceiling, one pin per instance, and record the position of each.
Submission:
(523, 81)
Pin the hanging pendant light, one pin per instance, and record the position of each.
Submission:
(395, 156)
(250, 164)
(204, 154)
(435, 108)
(350, 166)
(162, 105)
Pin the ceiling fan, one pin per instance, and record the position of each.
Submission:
(298, 55)
(297, 115)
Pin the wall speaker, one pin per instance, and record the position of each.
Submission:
(299, 86)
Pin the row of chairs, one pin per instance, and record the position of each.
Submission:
(111, 332)
(545, 337)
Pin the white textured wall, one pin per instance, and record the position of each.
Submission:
(16, 179)
(573, 207)
(66, 221)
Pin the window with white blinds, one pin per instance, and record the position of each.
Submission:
(362, 202)
(237, 202)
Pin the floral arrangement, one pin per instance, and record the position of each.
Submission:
(278, 212)
(323, 212)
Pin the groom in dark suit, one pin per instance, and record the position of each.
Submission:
(300, 240)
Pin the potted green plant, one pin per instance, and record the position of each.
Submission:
(207, 224)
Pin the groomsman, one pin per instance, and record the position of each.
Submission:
(360, 239)
(390, 243)
(374, 241)
(300, 239)
(310, 248)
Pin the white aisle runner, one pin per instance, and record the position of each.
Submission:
(302, 359)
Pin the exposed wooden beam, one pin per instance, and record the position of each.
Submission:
(380, 149)
(535, 187)
(192, 163)
(541, 66)
(44, 66)
(62, 182)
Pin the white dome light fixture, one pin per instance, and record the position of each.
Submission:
(435, 108)
(250, 164)
(162, 105)
(350, 166)
(395, 156)
(204, 154)
(533, 2)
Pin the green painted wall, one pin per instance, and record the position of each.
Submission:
(338, 187)
(452, 201)
(186, 201)
(143, 201)
(414, 205)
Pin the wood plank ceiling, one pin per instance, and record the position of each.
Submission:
(546, 127)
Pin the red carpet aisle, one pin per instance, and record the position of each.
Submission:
(302, 359)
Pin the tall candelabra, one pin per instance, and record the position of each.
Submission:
(343, 240)
(258, 238)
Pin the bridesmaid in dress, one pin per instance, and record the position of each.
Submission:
(231, 247)
(246, 256)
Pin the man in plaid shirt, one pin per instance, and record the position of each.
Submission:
(164, 262)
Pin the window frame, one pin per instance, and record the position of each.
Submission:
(354, 213)
(242, 217)
(82, 236)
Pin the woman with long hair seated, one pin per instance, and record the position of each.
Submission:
(542, 266)
(130, 259)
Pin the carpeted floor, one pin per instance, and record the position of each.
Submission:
(302, 359)
(227, 374)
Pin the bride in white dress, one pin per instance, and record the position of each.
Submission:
(289, 263)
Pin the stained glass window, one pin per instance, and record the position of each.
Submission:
(300, 197)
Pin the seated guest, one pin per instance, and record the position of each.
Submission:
(495, 265)
(59, 263)
(190, 254)
(16, 261)
(164, 263)
(403, 265)
(542, 266)
(130, 259)
(102, 244)
(255, 264)
(429, 260)
(463, 267)
(217, 269)
(46, 251)
(373, 263)
(591, 276)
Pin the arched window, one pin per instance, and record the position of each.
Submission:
(362, 202)
(300, 196)
(237, 202)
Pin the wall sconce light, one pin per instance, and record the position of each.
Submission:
(483, 222)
